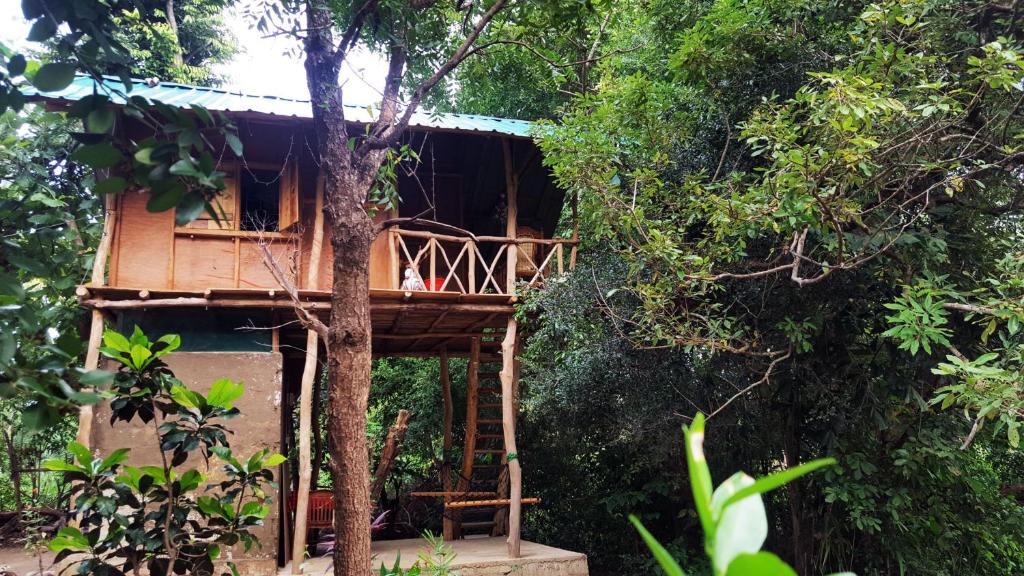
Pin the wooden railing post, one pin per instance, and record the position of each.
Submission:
(472, 265)
(395, 262)
(433, 263)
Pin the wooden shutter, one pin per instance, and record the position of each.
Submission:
(288, 214)
(226, 204)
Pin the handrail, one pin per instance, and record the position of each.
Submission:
(474, 265)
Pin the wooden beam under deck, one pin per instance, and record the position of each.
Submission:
(415, 324)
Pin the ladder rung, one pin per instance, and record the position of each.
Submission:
(488, 503)
(441, 494)
(489, 450)
(485, 436)
(489, 422)
(483, 524)
(488, 406)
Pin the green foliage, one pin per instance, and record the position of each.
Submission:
(732, 515)
(178, 162)
(48, 222)
(158, 517)
(188, 56)
(435, 561)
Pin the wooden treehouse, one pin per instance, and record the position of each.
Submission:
(484, 212)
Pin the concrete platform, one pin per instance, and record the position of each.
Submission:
(473, 557)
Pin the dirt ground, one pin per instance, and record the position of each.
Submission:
(20, 562)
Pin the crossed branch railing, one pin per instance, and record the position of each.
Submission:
(472, 265)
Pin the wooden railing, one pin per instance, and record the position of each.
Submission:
(476, 264)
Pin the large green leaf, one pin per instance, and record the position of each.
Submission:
(187, 398)
(102, 155)
(742, 526)
(759, 564)
(189, 208)
(53, 76)
(116, 341)
(700, 476)
(224, 392)
(69, 539)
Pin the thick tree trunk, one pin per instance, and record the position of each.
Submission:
(349, 353)
(346, 184)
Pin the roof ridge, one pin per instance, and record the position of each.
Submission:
(238, 101)
(243, 94)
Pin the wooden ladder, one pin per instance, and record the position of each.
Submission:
(484, 456)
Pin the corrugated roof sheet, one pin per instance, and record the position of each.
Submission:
(231, 101)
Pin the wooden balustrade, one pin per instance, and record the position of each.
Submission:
(474, 265)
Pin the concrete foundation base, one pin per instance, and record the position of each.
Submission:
(473, 557)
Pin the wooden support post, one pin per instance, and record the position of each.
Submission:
(305, 463)
(316, 248)
(448, 529)
(508, 420)
(511, 215)
(306, 399)
(472, 395)
(92, 351)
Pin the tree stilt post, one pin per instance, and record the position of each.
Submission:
(508, 420)
(309, 372)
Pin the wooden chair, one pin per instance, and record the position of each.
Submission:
(320, 512)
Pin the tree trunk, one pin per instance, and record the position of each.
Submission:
(172, 21)
(348, 344)
(791, 445)
(15, 463)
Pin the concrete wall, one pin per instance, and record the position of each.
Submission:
(256, 428)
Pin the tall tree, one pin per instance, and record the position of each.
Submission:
(412, 34)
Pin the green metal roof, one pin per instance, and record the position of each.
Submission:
(275, 106)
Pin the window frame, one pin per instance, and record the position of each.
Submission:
(289, 177)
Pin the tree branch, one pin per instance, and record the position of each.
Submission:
(764, 379)
(385, 132)
(306, 318)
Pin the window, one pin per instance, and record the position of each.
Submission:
(255, 198)
(261, 200)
